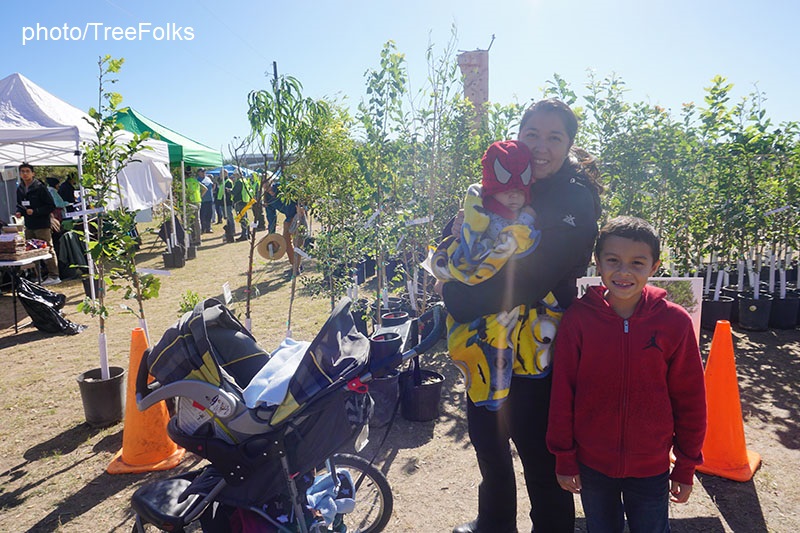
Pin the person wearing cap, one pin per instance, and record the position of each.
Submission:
(490, 235)
(35, 204)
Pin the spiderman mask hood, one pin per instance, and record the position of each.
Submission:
(506, 166)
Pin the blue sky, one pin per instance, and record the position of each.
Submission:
(665, 51)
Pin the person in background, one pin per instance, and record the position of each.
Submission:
(258, 210)
(207, 202)
(61, 205)
(67, 191)
(241, 197)
(194, 197)
(628, 387)
(565, 197)
(35, 204)
(219, 204)
(294, 216)
(224, 201)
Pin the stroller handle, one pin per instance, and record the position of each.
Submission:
(432, 335)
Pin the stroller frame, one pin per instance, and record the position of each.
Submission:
(265, 442)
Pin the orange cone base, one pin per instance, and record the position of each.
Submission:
(737, 473)
(118, 466)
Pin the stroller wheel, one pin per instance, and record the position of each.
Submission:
(373, 496)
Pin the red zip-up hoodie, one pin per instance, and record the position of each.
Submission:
(625, 391)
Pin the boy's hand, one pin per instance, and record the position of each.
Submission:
(680, 492)
(570, 483)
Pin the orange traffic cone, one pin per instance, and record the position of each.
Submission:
(724, 450)
(145, 444)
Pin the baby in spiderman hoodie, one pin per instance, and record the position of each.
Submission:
(627, 388)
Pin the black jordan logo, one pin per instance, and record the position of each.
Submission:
(653, 344)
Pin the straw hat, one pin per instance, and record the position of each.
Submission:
(277, 244)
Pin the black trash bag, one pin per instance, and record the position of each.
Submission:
(43, 306)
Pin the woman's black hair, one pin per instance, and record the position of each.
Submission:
(553, 105)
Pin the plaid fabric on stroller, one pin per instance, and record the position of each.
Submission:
(208, 358)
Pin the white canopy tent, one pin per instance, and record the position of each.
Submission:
(39, 128)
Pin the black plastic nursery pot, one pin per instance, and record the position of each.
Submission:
(369, 267)
(783, 314)
(103, 399)
(174, 259)
(394, 304)
(384, 352)
(420, 397)
(360, 317)
(394, 318)
(754, 313)
(733, 292)
(360, 271)
(714, 310)
(87, 286)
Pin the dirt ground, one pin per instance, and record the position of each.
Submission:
(52, 464)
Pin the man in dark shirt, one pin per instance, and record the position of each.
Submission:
(35, 204)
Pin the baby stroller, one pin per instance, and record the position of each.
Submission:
(274, 465)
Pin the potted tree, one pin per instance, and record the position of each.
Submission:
(111, 246)
(287, 123)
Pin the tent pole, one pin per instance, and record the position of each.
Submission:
(86, 232)
(172, 240)
(183, 193)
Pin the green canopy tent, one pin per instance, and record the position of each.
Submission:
(182, 149)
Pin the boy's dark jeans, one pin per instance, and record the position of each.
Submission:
(607, 500)
(523, 419)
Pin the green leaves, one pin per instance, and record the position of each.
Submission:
(112, 245)
(283, 120)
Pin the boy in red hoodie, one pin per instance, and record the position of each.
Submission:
(627, 387)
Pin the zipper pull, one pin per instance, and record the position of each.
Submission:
(625, 322)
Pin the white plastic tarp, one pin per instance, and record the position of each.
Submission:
(39, 128)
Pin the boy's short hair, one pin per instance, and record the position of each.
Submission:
(630, 228)
(28, 166)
